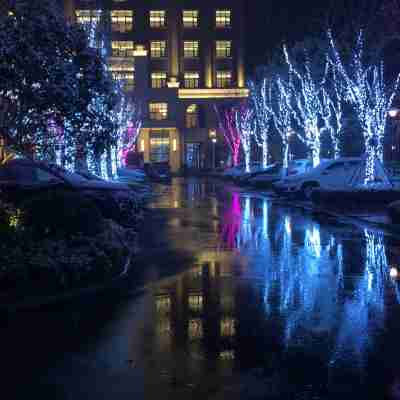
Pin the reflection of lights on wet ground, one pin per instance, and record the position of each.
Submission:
(313, 241)
(246, 211)
(195, 329)
(176, 204)
(265, 218)
(195, 302)
(288, 225)
(227, 355)
(394, 273)
(228, 328)
(163, 304)
(164, 326)
(196, 272)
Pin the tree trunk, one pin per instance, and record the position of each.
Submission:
(109, 162)
(265, 152)
(235, 156)
(335, 143)
(97, 165)
(247, 160)
(370, 173)
(285, 158)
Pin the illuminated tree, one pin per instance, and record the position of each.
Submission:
(371, 98)
(245, 123)
(261, 97)
(128, 118)
(283, 116)
(308, 109)
(227, 124)
(37, 77)
(333, 100)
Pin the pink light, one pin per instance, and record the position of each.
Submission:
(227, 126)
(232, 221)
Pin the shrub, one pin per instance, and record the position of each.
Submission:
(61, 214)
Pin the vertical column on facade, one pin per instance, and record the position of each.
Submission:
(207, 44)
(141, 69)
(240, 46)
(173, 42)
(69, 10)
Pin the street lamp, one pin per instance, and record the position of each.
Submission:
(213, 137)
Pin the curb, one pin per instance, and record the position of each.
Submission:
(353, 220)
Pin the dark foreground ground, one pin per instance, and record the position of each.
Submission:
(233, 297)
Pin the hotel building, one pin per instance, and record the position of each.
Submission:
(178, 59)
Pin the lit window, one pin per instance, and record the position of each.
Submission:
(158, 111)
(227, 355)
(121, 20)
(190, 18)
(223, 18)
(191, 80)
(195, 329)
(224, 79)
(191, 49)
(223, 48)
(195, 302)
(227, 327)
(158, 80)
(122, 48)
(158, 49)
(192, 116)
(88, 16)
(123, 72)
(158, 19)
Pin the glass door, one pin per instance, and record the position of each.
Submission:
(159, 146)
(193, 155)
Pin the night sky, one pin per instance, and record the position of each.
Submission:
(270, 22)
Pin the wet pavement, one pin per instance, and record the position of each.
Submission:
(234, 296)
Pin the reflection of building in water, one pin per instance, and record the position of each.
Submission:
(195, 316)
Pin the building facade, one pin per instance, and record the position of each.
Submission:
(178, 59)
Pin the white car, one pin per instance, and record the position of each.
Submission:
(266, 179)
(330, 174)
(239, 170)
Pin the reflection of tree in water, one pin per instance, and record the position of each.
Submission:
(307, 282)
(304, 277)
(239, 230)
(305, 285)
(231, 223)
(364, 310)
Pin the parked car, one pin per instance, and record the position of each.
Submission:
(265, 179)
(240, 170)
(330, 174)
(244, 177)
(23, 178)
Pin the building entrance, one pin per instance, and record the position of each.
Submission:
(159, 146)
(193, 155)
